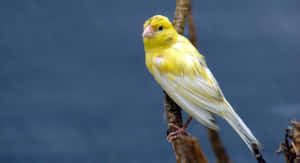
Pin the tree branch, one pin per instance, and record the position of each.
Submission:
(182, 7)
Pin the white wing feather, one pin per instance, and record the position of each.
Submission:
(173, 89)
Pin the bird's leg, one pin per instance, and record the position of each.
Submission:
(179, 130)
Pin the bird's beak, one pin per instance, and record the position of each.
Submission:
(148, 32)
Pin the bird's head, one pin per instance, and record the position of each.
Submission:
(158, 32)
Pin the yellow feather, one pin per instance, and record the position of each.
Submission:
(175, 60)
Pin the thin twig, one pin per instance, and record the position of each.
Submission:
(188, 149)
(291, 144)
(217, 146)
(192, 28)
(173, 114)
(215, 140)
(296, 140)
(182, 7)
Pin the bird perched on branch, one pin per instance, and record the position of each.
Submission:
(182, 72)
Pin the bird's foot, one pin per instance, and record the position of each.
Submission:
(179, 130)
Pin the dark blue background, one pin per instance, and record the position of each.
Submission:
(74, 87)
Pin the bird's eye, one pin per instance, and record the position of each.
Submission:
(160, 28)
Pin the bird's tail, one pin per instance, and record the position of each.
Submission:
(240, 127)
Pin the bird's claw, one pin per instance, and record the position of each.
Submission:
(179, 131)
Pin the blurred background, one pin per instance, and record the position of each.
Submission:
(74, 87)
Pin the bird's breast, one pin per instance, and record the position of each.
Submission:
(172, 62)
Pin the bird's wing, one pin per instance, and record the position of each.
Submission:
(214, 82)
(200, 90)
(201, 115)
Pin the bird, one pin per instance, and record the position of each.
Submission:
(183, 74)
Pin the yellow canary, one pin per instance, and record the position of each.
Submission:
(182, 72)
